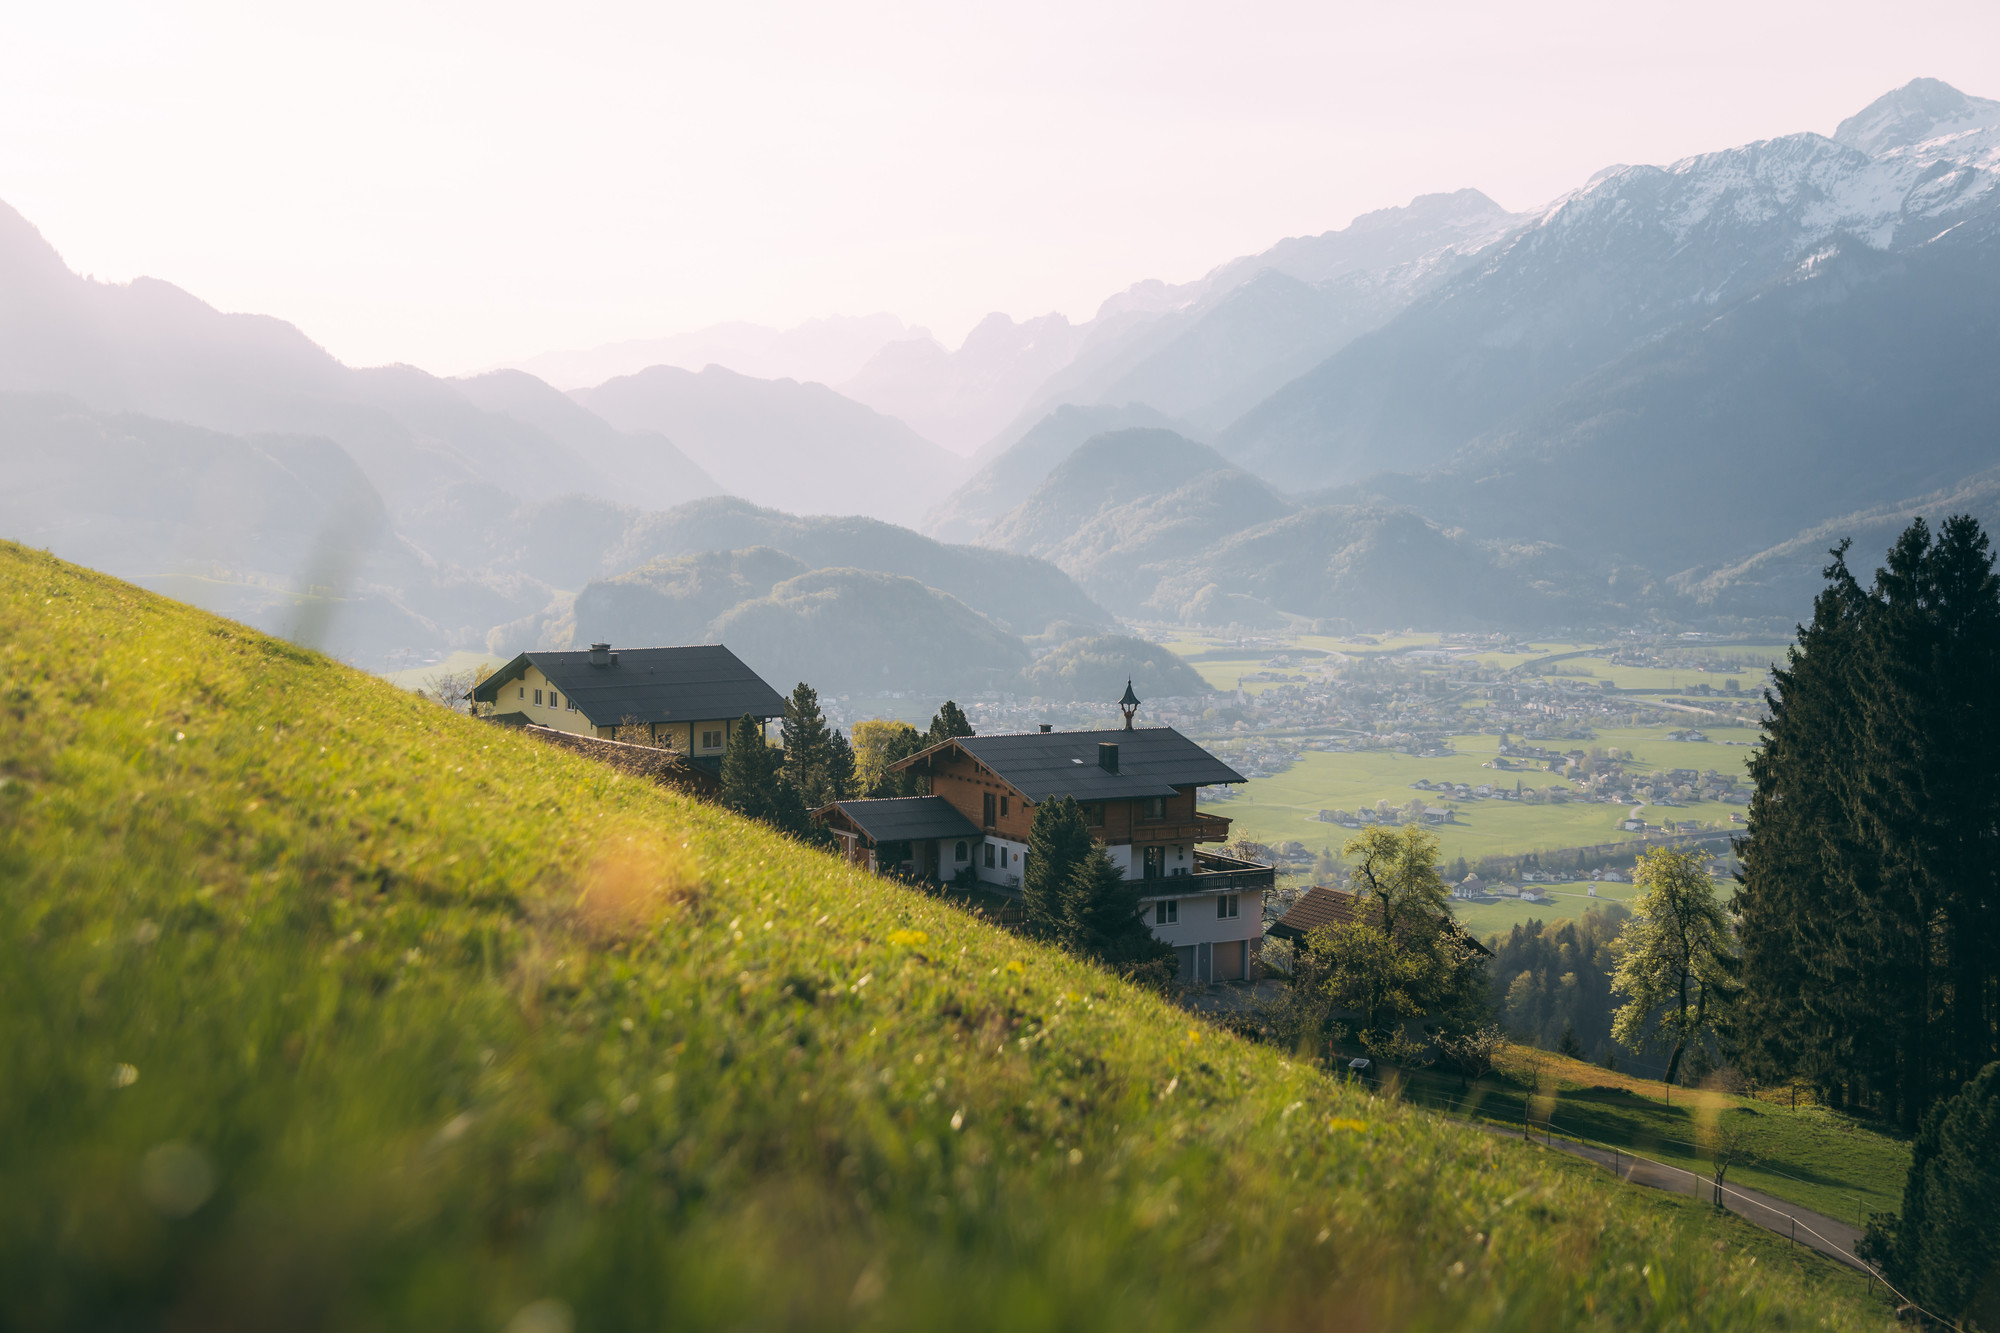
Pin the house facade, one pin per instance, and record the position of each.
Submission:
(686, 697)
(1137, 790)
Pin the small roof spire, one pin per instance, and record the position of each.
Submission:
(1129, 704)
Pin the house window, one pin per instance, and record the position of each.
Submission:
(523, 691)
(1225, 906)
(989, 856)
(960, 853)
(555, 700)
(538, 698)
(986, 808)
(1003, 807)
(711, 740)
(1167, 912)
(1156, 807)
(1093, 814)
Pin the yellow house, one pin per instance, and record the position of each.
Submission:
(685, 697)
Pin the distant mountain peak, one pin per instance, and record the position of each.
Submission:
(1920, 110)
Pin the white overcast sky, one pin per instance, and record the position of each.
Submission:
(455, 185)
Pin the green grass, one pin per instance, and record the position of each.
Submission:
(323, 1008)
(1827, 1162)
(1285, 807)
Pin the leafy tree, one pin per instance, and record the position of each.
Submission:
(1943, 1250)
(1674, 955)
(1405, 958)
(1474, 1051)
(1058, 842)
(948, 723)
(877, 745)
(806, 744)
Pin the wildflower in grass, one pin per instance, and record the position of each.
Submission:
(909, 938)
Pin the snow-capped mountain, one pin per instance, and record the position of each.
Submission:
(1637, 252)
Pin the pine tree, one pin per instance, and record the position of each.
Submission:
(1100, 912)
(1669, 955)
(948, 723)
(1568, 1044)
(1871, 885)
(840, 781)
(1943, 1249)
(807, 746)
(749, 770)
(1058, 842)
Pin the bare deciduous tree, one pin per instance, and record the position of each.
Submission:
(449, 689)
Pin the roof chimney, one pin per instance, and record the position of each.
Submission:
(1046, 728)
(1107, 756)
(600, 654)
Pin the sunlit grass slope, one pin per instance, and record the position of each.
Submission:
(320, 1007)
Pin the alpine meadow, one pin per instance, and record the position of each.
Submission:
(1058, 667)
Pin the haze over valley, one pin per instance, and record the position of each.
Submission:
(1650, 401)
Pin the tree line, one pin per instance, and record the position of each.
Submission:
(1870, 898)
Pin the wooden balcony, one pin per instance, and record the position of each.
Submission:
(1212, 874)
(1198, 827)
(1226, 874)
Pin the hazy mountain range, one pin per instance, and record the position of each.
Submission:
(1650, 399)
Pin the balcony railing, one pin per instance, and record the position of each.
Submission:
(1198, 827)
(1226, 874)
(1212, 874)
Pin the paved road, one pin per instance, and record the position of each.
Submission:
(1830, 1237)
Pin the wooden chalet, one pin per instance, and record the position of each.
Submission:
(1137, 789)
(686, 697)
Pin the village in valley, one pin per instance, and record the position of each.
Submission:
(1549, 826)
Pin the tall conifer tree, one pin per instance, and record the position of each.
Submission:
(1058, 842)
(1872, 957)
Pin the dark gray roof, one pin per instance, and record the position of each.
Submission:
(1152, 761)
(908, 818)
(698, 683)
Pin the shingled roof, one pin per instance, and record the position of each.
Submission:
(905, 818)
(1152, 761)
(697, 683)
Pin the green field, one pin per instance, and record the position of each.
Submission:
(1285, 808)
(324, 1007)
(1825, 1161)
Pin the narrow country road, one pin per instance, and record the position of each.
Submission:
(1832, 1238)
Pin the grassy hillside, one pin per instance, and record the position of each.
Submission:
(321, 1007)
(1826, 1161)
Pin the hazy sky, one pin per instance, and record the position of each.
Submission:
(453, 185)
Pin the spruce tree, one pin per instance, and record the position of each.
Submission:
(1943, 1250)
(1871, 872)
(948, 723)
(840, 780)
(749, 770)
(807, 746)
(1058, 842)
(1100, 912)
